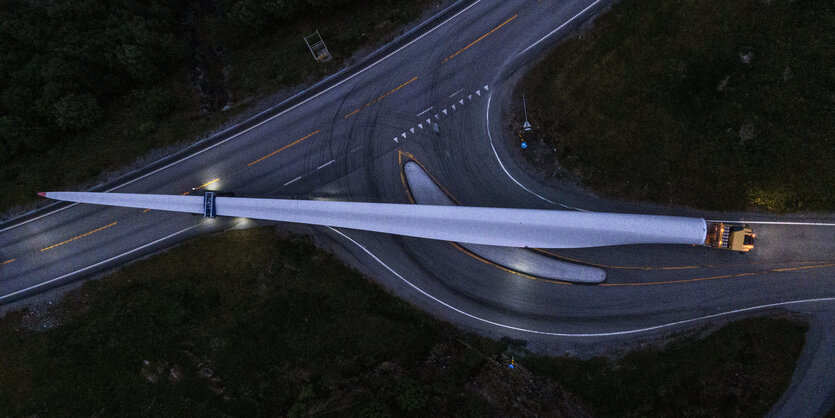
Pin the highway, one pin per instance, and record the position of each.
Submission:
(350, 139)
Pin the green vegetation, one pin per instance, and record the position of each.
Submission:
(247, 323)
(714, 104)
(730, 373)
(89, 86)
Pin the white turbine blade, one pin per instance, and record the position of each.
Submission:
(473, 225)
(187, 204)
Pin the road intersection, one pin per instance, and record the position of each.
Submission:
(349, 139)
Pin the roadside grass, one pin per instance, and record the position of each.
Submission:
(248, 323)
(712, 104)
(257, 66)
(274, 319)
(735, 371)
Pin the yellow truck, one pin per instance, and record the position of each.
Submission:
(730, 236)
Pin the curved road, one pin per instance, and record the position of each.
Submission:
(350, 141)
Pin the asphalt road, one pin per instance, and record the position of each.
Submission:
(349, 142)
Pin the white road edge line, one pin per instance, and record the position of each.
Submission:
(293, 181)
(325, 165)
(490, 136)
(559, 27)
(264, 121)
(6, 296)
(776, 223)
(581, 335)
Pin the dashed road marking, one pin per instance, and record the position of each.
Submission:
(425, 111)
(293, 181)
(479, 39)
(325, 165)
(453, 94)
(363, 107)
(78, 237)
(283, 148)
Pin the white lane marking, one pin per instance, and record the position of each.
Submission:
(412, 130)
(486, 87)
(6, 296)
(325, 165)
(461, 102)
(420, 125)
(489, 135)
(395, 140)
(293, 181)
(445, 112)
(559, 27)
(356, 149)
(425, 111)
(403, 135)
(453, 94)
(265, 121)
(776, 223)
(39, 217)
(428, 121)
(478, 92)
(453, 106)
(581, 335)
(436, 116)
(469, 97)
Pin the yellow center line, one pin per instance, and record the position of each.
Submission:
(8, 261)
(615, 267)
(379, 98)
(479, 39)
(728, 276)
(80, 236)
(200, 187)
(207, 184)
(186, 193)
(503, 268)
(282, 149)
(589, 263)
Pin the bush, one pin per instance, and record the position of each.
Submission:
(715, 104)
(411, 395)
(76, 111)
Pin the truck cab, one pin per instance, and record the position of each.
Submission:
(733, 237)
